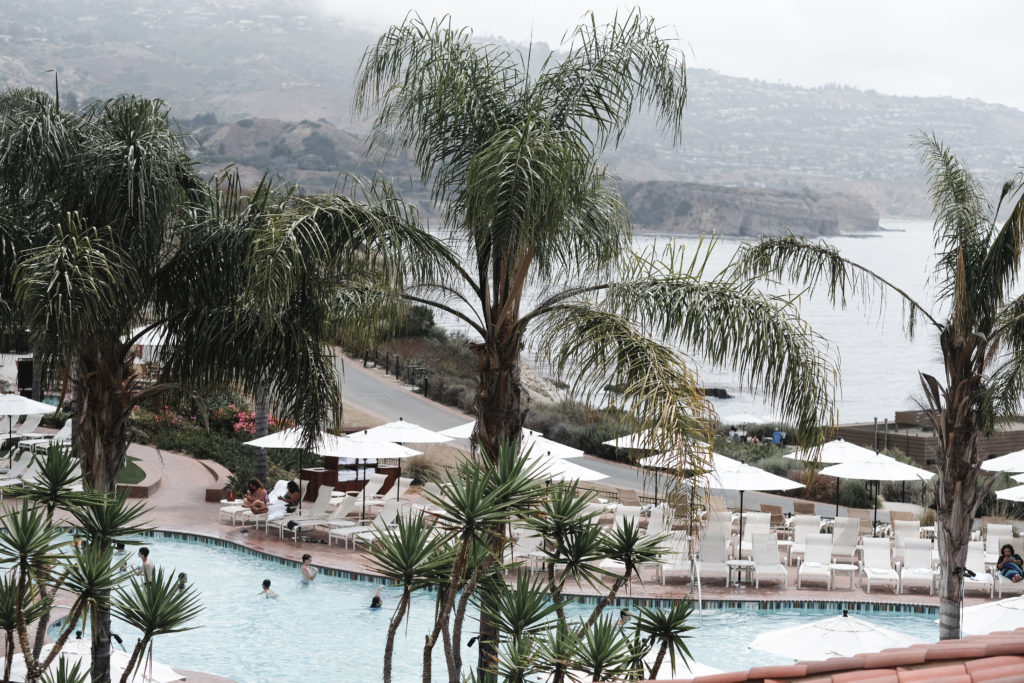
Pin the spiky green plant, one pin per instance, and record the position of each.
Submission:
(666, 630)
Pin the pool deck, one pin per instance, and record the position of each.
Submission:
(178, 505)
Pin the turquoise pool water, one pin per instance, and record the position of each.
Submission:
(326, 632)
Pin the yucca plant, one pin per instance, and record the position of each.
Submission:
(155, 607)
(414, 557)
(624, 544)
(666, 630)
(604, 652)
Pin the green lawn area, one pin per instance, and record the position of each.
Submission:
(132, 473)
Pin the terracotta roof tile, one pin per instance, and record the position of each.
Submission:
(1007, 672)
(997, 662)
(931, 673)
(894, 658)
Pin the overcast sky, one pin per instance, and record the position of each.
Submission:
(899, 47)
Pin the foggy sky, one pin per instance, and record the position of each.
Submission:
(897, 47)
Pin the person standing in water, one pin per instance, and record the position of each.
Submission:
(266, 592)
(147, 568)
(309, 572)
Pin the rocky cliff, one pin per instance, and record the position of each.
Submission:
(689, 208)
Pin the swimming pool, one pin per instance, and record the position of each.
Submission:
(325, 632)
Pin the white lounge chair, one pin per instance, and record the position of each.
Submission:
(19, 467)
(876, 565)
(307, 518)
(525, 547)
(661, 520)
(676, 559)
(997, 532)
(993, 548)
(817, 557)
(902, 531)
(976, 563)
(766, 560)
(713, 556)
(371, 535)
(27, 428)
(917, 565)
(403, 485)
(343, 507)
(803, 526)
(1002, 583)
(753, 523)
(63, 436)
(386, 517)
(845, 534)
(275, 508)
(624, 512)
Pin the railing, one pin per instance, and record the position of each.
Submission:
(414, 375)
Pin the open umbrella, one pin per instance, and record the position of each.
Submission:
(401, 432)
(291, 438)
(1015, 494)
(744, 419)
(1011, 462)
(465, 431)
(344, 447)
(876, 468)
(538, 444)
(843, 636)
(741, 477)
(1002, 615)
(646, 440)
(12, 405)
(550, 467)
(80, 651)
(834, 452)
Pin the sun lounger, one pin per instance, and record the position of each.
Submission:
(845, 535)
(386, 517)
(877, 566)
(713, 555)
(403, 485)
(753, 523)
(307, 518)
(817, 557)
(624, 512)
(902, 531)
(661, 520)
(63, 436)
(803, 526)
(766, 559)
(343, 507)
(917, 565)
(676, 560)
(982, 579)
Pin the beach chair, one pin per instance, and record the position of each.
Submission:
(817, 557)
(867, 528)
(766, 560)
(993, 546)
(804, 507)
(711, 561)
(903, 531)
(308, 518)
(275, 508)
(917, 565)
(803, 526)
(976, 563)
(753, 523)
(629, 497)
(1002, 584)
(386, 517)
(997, 532)
(876, 565)
(845, 535)
(403, 485)
(372, 535)
(777, 520)
(661, 520)
(343, 507)
(26, 430)
(63, 436)
(676, 560)
(525, 547)
(624, 512)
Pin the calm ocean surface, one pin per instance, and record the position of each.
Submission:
(878, 366)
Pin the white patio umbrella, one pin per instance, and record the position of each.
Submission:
(1018, 478)
(465, 431)
(12, 405)
(876, 468)
(744, 419)
(742, 478)
(1015, 494)
(842, 636)
(401, 432)
(834, 452)
(1011, 462)
(646, 440)
(1002, 615)
(345, 447)
(539, 444)
(291, 438)
(549, 467)
(79, 651)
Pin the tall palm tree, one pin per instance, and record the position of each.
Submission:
(978, 326)
(510, 151)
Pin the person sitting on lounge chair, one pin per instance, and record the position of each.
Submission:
(291, 499)
(1010, 564)
(256, 498)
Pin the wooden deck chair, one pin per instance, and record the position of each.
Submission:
(866, 526)
(629, 497)
(778, 519)
(804, 507)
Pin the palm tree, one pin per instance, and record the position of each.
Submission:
(668, 630)
(977, 326)
(155, 607)
(414, 557)
(510, 153)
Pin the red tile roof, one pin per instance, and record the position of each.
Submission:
(996, 657)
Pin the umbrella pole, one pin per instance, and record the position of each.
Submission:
(837, 498)
(739, 544)
(398, 496)
(878, 487)
(364, 489)
(301, 495)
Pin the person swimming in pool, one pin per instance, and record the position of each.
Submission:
(377, 602)
(266, 592)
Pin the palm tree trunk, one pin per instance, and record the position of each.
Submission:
(396, 620)
(37, 376)
(140, 647)
(261, 419)
(103, 403)
(458, 568)
(658, 660)
(620, 581)
(101, 641)
(499, 396)
(8, 654)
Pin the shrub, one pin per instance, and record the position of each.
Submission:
(56, 419)
(421, 468)
(854, 493)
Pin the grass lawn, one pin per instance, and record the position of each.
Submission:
(132, 473)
